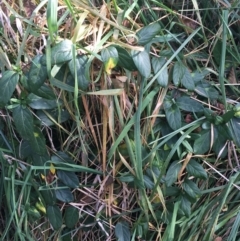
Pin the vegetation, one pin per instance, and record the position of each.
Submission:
(119, 120)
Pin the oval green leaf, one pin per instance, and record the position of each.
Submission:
(196, 170)
(146, 34)
(202, 144)
(110, 58)
(8, 84)
(142, 61)
(37, 142)
(23, 120)
(158, 69)
(63, 193)
(47, 117)
(82, 71)
(55, 216)
(40, 103)
(172, 173)
(122, 231)
(62, 52)
(124, 59)
(188, 104)
(70, 179)
(71, 216)
(37, 74)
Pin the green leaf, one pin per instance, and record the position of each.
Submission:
(182, 75)
(25, 149)
(172, 173)
(45, 92)
(148, 182)
(70, 179)
(196, 170)
(157, 64)
(71, 216)
(126, 178)
(23, 121)
(55, 216)
(37, 102)
(191, 189)
(122, 231)
(235, 127)
(124, 59)
(202, 144)
(198, 76)
(203, 88)
(47, 116)
(187, 80)
(146, 34)
(142, 61)
(110, 58)
(48, 195)
(185, 206)
(37, 74)
(8, 84)
(81, 68)
(37, 142)
(173, 114)
(188, 104)
(62, 157)
(40, 161)
(178, 73)
(62, 52)
(63, 193)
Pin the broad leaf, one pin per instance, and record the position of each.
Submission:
(37, 74)
(40, 161)
(63, 193)
(71, 216)
(70, 179)
(124, 59)
(25, 149)
(48, 195)
(195, 169)
(182, 75)
(23, 121)
(37, 142)
(187, 80)
(157, 64)
(198, 76)
(203, 88)
(188, 104)
(235, 126)
(202, 144)
(81, 69)
(46, 117)
(126, 178)
(185, 206)
(45, 92)
(146, 34)
(62, 157)
(191, 189)
(178, 73)
(173, 114)
(62, 52)
(37, 102)
(110, 58)
(142, 61)
(148, 182)
(8, 84)
(172, 173)
(122, 231)
(55, 216)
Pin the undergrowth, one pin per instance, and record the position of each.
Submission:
(119, 120)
